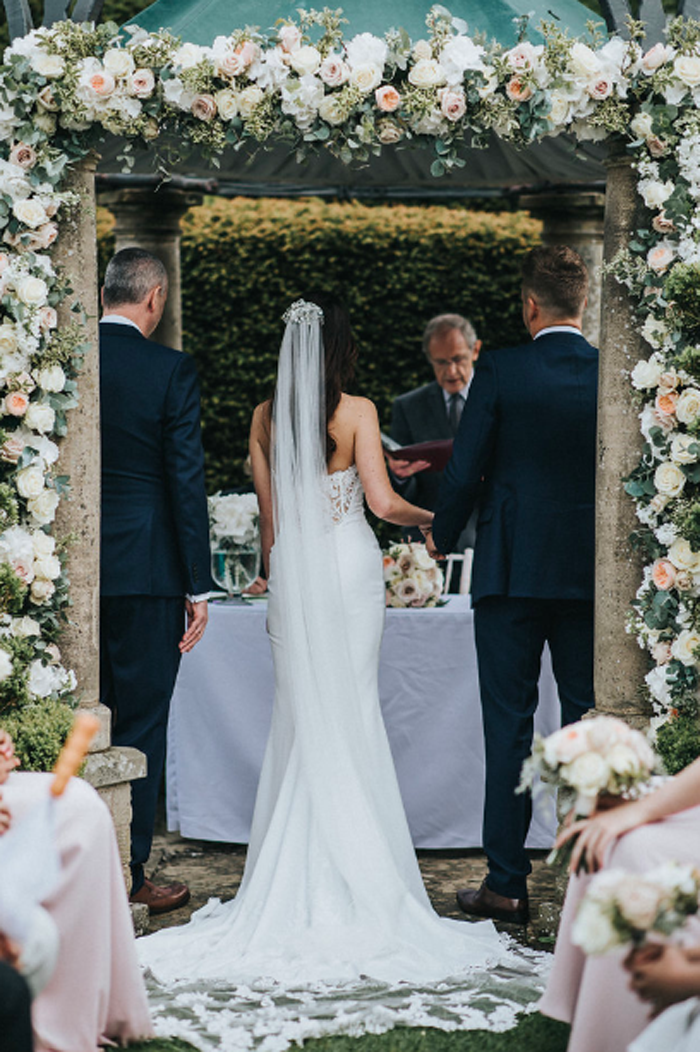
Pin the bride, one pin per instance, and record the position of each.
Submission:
(331, 891)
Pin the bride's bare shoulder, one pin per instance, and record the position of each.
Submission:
(357, 408)
(260, 423)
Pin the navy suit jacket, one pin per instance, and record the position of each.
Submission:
(155, 530)
(529, 431)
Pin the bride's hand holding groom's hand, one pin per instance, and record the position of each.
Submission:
(427, 532)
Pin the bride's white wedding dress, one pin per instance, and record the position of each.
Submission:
(331, 929)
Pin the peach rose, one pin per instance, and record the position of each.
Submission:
(656, 147)
(666, 402)
(600, 88)
(142, 82)
(517, 91)
(204, 107)
(11, 449)
(289, 38)
(23, 155)
(48, 318)
(102, 83)
(661, 653)
(663, 574)
(388, 132)
(669, 380)
(387, 98)
(16, 403)
(47, 99)
(663, 225)
(654, 58)
(453, 104)
(24, 572)
(661, 256)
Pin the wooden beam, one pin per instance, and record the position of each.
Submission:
(689, 8)
(19, 18)
(87, 10)
(615, 13)
(654, 17)
(55, 11)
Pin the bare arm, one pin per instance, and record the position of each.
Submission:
(369, 457)
(260, 463)
(596, 834)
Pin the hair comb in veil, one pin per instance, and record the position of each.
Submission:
(302, 310)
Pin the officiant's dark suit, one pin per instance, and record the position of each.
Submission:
(427, 413)
(529, 431)
(155, 539)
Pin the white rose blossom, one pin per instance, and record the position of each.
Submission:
(6, 667)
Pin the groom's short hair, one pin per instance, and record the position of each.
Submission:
(557, 277)
(130, 276)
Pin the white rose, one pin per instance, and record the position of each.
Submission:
(427, 73)
(367, 50)
(654, 58)
(588, 773)
(289, 38)
(639, 902)
(175, 92)
(226, 104)
(40, 417)
(682, 451)
(559, 108)
(421, 50)
(43, 544)
(366, 78)
(248, 99)
(593, 931)
(654, 192)
(658, 685)
(52, 379)
(47, 568)
(47, 65)
(30, 481)
(331, 111)
(305, 60)
(458, 55)
(623, 760)
(584, 61)
(669, 479)
(5, 665)
(43, 507)
(654, 330)
(687, 69)
(24, 627)
(682, 555)
(641, 125)
(334, 71)
(118, 62)
(8, 339)
(33, 292)
(42, 680)
(565, 745)
(646, 374)
(684, 646)
(189, 55)
(688, 406)
(30, 212)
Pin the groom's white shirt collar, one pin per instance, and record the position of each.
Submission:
(119, 319)
(557, 328)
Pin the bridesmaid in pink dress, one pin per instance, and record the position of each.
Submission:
(592, 993)
(96, 993)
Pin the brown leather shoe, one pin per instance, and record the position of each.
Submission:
(483, 902)
(162, 899)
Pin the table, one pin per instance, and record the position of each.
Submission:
(222, 706)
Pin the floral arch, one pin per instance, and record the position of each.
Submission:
(63, 88)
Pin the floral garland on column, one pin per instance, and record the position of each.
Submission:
(62, 90)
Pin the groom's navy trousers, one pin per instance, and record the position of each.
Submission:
(526, 446)
(155, 546)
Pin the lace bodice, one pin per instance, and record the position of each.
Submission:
(345, 495)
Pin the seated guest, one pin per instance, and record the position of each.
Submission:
(592, 993)
(96, 994)
(665, 976)
(434, 411)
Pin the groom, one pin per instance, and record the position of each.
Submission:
(155, 535)
(529, 432)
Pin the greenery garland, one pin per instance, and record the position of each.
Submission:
(63, 89)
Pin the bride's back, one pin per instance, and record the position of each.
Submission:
(342, 428)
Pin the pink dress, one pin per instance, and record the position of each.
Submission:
(96, 992)
(592, 993)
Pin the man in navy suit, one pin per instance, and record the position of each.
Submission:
(529, 432)
(155, 557)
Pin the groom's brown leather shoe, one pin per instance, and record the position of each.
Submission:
(482, 902)
(162, 899)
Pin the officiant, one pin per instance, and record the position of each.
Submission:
(433, 411)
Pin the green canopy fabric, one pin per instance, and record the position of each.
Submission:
(200, 21)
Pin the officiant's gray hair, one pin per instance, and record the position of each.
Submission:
(130, 276)
(444, 323)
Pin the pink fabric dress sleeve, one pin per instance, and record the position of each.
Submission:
(96, 993)
(592, 993)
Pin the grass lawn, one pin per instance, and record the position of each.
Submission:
(535, 1033)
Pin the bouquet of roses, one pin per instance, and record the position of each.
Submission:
(411, 577)
(587, 759)
(622, 909)
(233, 519)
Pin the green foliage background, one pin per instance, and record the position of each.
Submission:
(118, 11)
(244, 261)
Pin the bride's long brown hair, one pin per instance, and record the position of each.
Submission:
(340, 356)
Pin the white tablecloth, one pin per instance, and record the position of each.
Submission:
(428, 684)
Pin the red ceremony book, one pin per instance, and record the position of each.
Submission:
(437, 453)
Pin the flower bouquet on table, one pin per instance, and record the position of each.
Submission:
(411, 577)
(235, 540)
(588, 759)
(622, 909)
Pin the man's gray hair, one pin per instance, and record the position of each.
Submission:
(130, 276)
(444, 323)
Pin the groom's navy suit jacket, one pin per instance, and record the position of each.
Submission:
(529, 431)
(155, 533)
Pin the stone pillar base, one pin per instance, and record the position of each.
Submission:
(111, 772)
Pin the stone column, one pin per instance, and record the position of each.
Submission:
(150, 219)
(575, 219)
(620, 665)
(108, 769)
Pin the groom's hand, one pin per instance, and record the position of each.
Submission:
(430, 543)
(197, 617)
